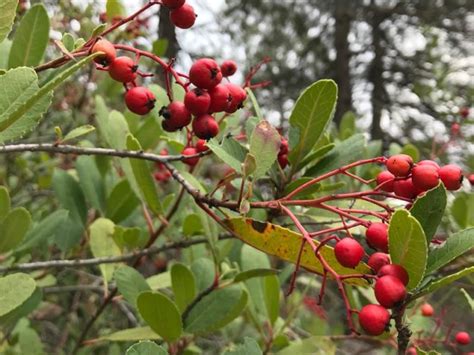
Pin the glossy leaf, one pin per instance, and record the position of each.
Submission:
(230, 152)
(161, 314)
(31, 38)
(184, 285)
(7, 16)
(14, 228)
(311, 115)
(15, 289)
(130, 283)
(146, 348)
(121, 202)
(264, 146)
(285, 244)
(407, 245)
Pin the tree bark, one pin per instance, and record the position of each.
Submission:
(166, 30)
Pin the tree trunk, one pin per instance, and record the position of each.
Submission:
(166, 30)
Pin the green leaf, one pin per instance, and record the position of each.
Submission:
(69, 193)
(445, 281)
(132, 334)
(304, 193)
(146, 348)
(96, 32)
(114, 8)
(271, 291)
(13, 229)
(469, 299)
(15, 289)
(160, 46)
(344, 152)
(130, 283)
(130, 238)
(230, 152)
(203, 270)
(68, 42)
(159, 281)
(102, 244)
(264, 146)
(141, 170)
(408, 246)
(30, 342)
(429, 209)
(347, 127)
(78, 132)
(4, 202)
(161, 314)
(256, 106)
(316, 345)
(31, 38)
(4, 53)
(455, 246)
(311, 115)
(184, 285)
(28, 306)
(249, 347)
(121, 202)
(462, 210)
(69, 233)
(192, 225)
(148, 134)
(91, 182)
(7, 16)
(412, 151)
(315, 155)
(215, 310)
(252, 273)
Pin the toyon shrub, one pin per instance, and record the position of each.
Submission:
(173, 213)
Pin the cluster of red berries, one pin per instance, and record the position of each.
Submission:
(283, 153)
(209, 96)
(409, 180)
(182, 15)
(198, 148)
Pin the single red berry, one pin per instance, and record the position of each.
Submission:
(239, 95)
(162, 176)
(177, 115)
(183, 17)
(405, 188)
(464, 112)
(108, 50)
(220, 98)
(283, 146)
(348, 252)
(470, 178)
(123, 69)
(386, 178)
(425, 177)
(399, 165)
(205, 73)
(374, 319)
(377, 260)
(455, 129)
(283, 160)
(228, 68)
(427, 310)
(173, 4)
(201, 146)
(197, 101)
(428, 162)
(377, 236)
(395, 270)
(463, 338)
(140, 100)
(389, 291)
(205, 127)
(190, 151)
(451, 176)
(411, 351)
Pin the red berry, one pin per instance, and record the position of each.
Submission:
(220, 98)
(455, 128)
(108, 50)
(374, 319)
(201, 146)
(283, 146)
(463, 338)
(377, 260)
(400, 164)
(205, 127)
(205, 73)
(405, 188)
(173, 4)
(190, 151)
(197, 101)
(140, 100)
(425, 177)
(377, 236)
(386, 178)
(162, 176)
(228, 68)
(176, 114)
(183, 17)
(123, 69)
(464, 112)
(451, 176)
(389, 291)
(283, 160)
(348, 252)
(411, 351)
(428, 162)
(427, 310)
(470, 178)
(395, 270)
(239, 95)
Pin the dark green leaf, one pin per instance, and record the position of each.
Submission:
(315, 155)
(203, 270)
(184, 285)
(130, 283)
(91, 182)
(13, 229)
(69, 194)
(121, 202)
(445, 281)
(249, 274)
(271, 292)
(306, 192)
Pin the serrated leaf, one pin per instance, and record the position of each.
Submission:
(183, 284)
(230, 152)
(455, 246)
(130, 283)
(408, 246)
(13, 228)
(132, 334)
(15, 290)
(31, 38)
(146, 348)
(78, 132)
(91, 182)
(161, 314)
(121, 202)
(252, 273)
(429, 209)
(285, 244)
(264, 146)
(7, 16)
(311, 115)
